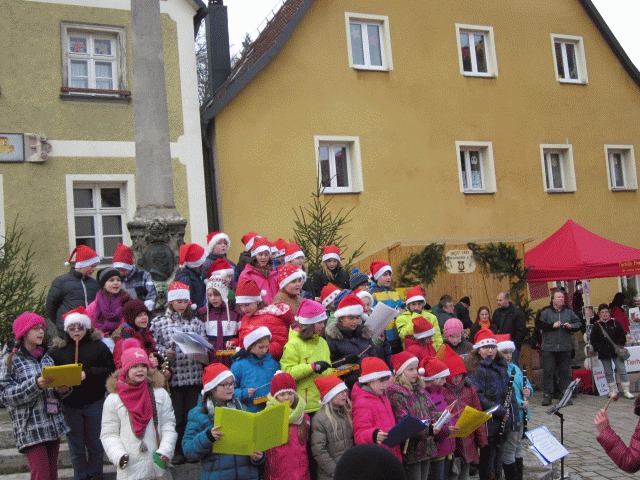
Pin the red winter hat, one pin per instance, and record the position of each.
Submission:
(373, 368)
(415, 294)
(134, 355)
(192, 255)
(422, 328)
(292, 251)
(215, 237)
(329, 386)
(178, 291)
(273, 248)
(328, 294)
(248, 239)
(505, 343)
(213, 375)
(220, 267)
(123, 257)
(260, 244)
(25, 322)
(484, 338)
(350, 305)
(455, 363)
(379, 268)
(402, 360)
(287, 273)
(85, 257)
(77, 315)
(432, 369)
(329, 252)
(282, 246)
(255, 334)
(282, 382)
(248, 291)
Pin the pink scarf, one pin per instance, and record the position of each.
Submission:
(137, 401)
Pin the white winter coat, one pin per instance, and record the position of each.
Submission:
(118, 438)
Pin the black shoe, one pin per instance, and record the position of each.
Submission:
(178, 459)
(546, 401)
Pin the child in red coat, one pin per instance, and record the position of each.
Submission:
(372, 413)
(289, 461)
(420, 343)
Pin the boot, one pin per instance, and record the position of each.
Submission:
(510, 471)
(613, 386)
(624, 386)
(520, 467)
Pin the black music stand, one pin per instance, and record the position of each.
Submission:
(555, 410)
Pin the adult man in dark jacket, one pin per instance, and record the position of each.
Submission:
(461, 310)
(73, 289)
(557, 325)
(508, 318)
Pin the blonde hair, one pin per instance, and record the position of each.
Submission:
(332, 412)
(403, 382)
(328, 273)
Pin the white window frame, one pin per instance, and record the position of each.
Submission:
(581, 58)
(628, 158)
(623, 282)
(385, 41)
(490, 50)
(487, 163)
(124, 181)
(567, 172)
(114, 33)
(354, 162)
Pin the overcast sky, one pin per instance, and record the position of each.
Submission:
(621, 16)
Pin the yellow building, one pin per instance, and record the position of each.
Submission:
(436, 120)
(66, 100)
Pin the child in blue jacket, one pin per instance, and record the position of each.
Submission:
(253, 369)
(197, 443)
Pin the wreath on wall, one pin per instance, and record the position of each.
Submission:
(422, 267)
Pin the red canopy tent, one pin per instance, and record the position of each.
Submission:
(574, 253)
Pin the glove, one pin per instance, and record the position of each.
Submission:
(319, 367)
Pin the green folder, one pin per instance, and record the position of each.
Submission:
(246, 432)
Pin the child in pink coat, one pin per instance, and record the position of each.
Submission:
(372, 413)
(289, 461)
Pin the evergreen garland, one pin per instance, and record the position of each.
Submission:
(422, 267)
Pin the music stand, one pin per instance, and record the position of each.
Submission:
(555, 410)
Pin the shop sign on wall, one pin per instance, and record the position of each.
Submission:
(11, 147)
(460, 261)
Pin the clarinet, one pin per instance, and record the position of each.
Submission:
(506, 405)
(524, 410)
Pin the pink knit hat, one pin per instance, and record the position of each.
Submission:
(25, 322)
(134, 356)
(452, 327)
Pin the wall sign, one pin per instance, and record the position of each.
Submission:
(11, 147)
(460, 261)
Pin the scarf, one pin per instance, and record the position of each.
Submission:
(37, 353)
(137, 400)
(484, 324)
(108, 313)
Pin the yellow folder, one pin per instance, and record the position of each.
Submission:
(469, 421)
(69, 375)
(246, 432)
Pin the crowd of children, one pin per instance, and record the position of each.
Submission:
(275, 337)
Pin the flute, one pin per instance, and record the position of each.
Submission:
(506, 405)
(524, 410)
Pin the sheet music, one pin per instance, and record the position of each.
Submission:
(546, 445)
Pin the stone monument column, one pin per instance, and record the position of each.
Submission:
(157, 229)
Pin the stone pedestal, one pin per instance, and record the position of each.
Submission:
(156, 236)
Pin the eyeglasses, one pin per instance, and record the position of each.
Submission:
(76, 329)
(226, 385)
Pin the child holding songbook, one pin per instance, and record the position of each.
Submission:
(220, 322)
(38, 422)
(200, 434)
(184, 383)
(289, 461)
(408, 397)
(372, 413)
(434, 373)
(332, 426)
(457, 390)
(488, 374)
(512, 462)
(253, 369)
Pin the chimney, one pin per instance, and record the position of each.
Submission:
(218, 44)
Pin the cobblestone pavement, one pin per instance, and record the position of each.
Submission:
(587, 460)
